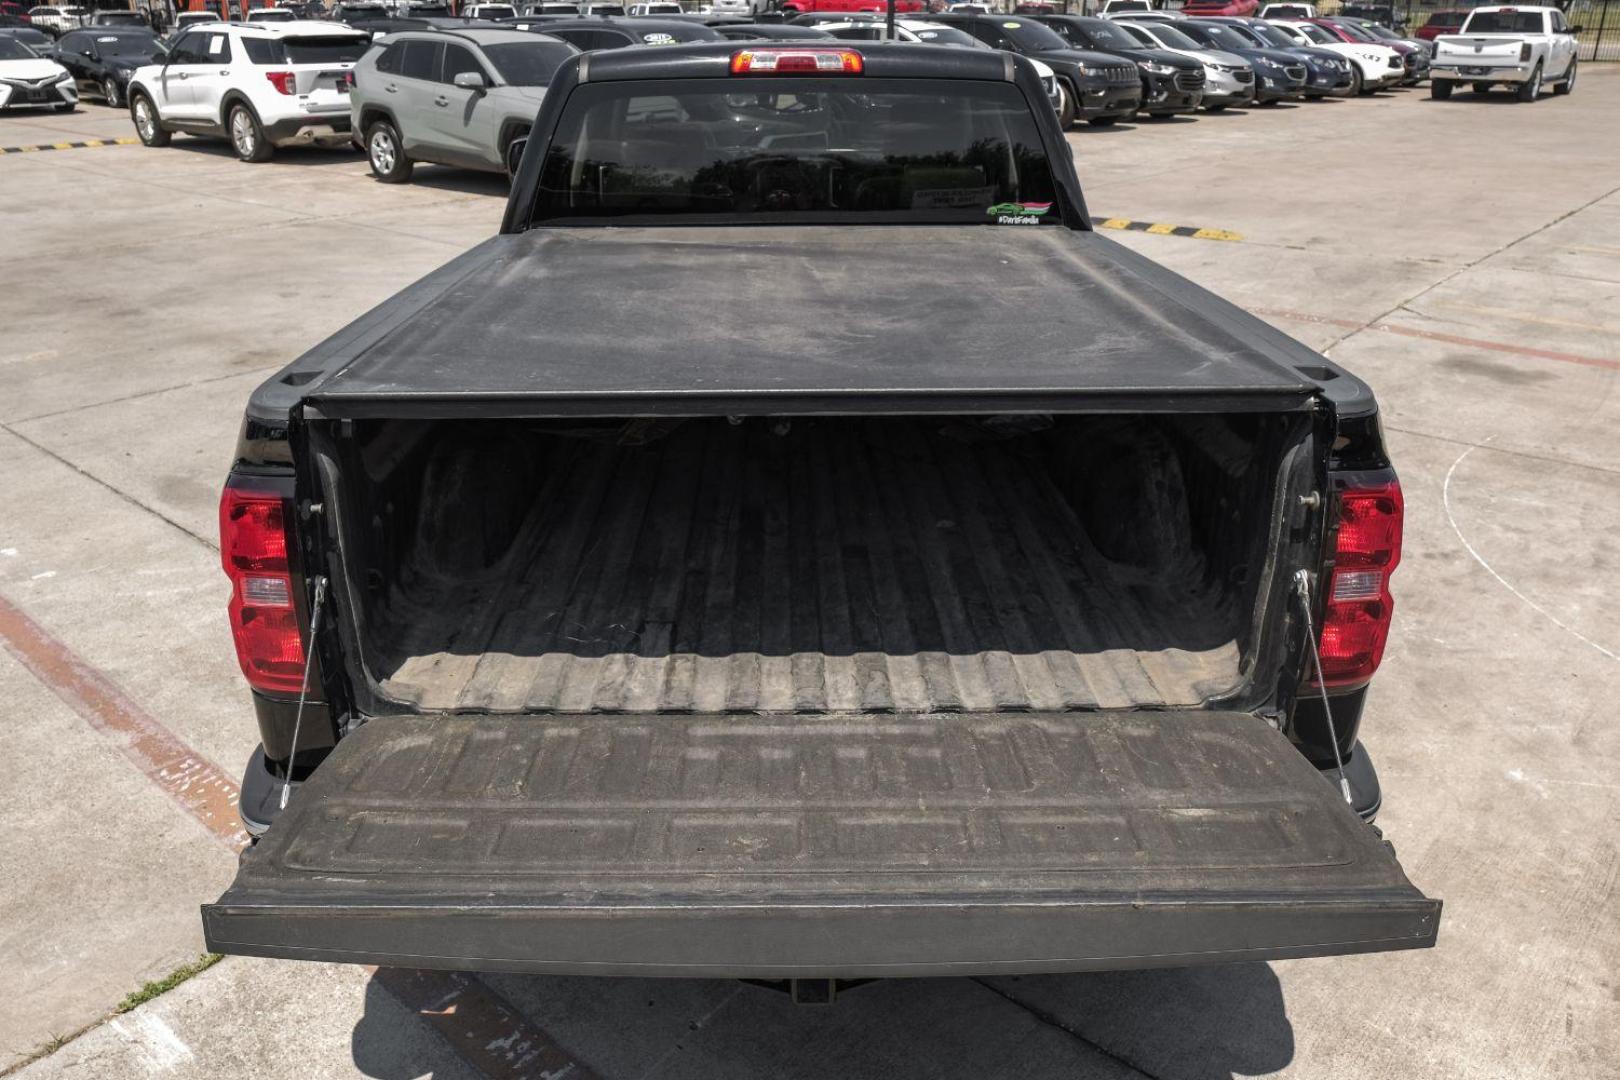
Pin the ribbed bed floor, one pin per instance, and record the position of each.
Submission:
(874, 566)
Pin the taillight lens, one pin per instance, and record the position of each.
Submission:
(253, 538)
(285, 82)
(1524, 53)
(1355, 621)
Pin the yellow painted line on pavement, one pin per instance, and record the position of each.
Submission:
(83, 144)
(1157, 228)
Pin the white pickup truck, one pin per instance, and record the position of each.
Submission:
(1526, 47)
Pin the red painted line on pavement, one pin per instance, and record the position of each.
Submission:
(479, 1025)
(1450, 339)
(191, 780)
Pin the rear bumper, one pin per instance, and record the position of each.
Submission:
(1505, 73)
(308, 128)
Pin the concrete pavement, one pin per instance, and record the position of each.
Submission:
(1463, 256)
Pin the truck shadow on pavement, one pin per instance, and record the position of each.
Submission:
(1210, 1023)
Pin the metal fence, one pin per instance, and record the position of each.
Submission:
(1599, 21)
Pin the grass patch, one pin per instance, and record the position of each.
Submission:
(159, 987)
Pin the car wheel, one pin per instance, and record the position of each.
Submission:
(1065, 107)
(387, 155)
(145, 116)
(1530, 89)
(1569, 80)
(109, 90)
(1440, 89)
(247, 137)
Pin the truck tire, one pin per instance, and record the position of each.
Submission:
(247, 135)
(1440, 89)
(1530, 89)
(147, 125)
(387, 154)
(1567, 84)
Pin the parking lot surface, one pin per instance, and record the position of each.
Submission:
(1463, 256)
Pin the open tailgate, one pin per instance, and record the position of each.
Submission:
(817, 846)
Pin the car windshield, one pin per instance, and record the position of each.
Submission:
(909, 151)
(1102, 34)
(1357, 33)
(1171, 37)
(134, 46)
(1318, 35)
(1221, 37)
(12, 49)
(1273, 37)
(947, 35)
(1380, 32)
(1244, 34)
(1032, 35)
(529, 63)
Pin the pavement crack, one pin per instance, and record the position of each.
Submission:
(1052, 1021)
(138, 394)
(1463, 269)
(211, 545)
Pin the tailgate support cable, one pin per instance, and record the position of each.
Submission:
(315, 606)
(1302, 586)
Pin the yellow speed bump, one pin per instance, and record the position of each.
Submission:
(84, 144)
(1161, 229)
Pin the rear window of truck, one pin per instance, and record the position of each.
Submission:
(1504, 22)
(777, 151)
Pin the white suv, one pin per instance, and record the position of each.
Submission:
(259, 86)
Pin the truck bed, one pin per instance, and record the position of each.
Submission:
(706, 320)
(834, 566)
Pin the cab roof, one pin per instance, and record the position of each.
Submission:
(712, 60)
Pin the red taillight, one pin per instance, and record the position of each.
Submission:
(284, 81)
(1355, 621)
(812, 61)
(253, 547)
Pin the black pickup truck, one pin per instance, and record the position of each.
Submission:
(799, 547)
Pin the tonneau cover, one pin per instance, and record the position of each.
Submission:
(705, 320)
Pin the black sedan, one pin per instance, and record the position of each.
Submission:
(1096, 86)
(1171, 83)
(1326, 72)
(102, 58)
(1277, 74)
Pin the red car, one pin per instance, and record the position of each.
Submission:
(1244, 8)
(1441, 22)
(804, 7)
(15, 11)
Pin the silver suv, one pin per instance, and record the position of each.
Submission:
(451, 97)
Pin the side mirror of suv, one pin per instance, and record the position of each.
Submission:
(470, 80)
